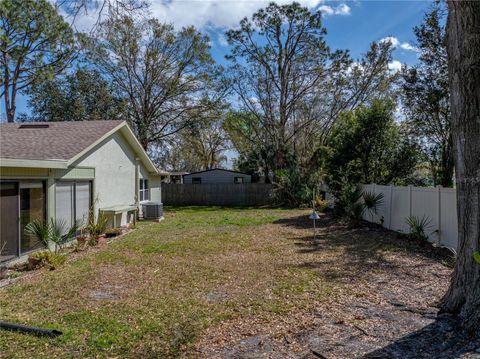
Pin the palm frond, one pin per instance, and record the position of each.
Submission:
(418, 227)
(373, 201)
(40, 230)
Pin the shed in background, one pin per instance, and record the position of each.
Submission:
(217, 176)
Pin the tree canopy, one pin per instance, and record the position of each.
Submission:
(426, 99)
(167, 78)
(36, 44)
(368, 146)
(78, 96)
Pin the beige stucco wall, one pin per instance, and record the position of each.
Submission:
(115, 166)
(111, 165)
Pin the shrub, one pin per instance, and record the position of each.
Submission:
(93, 241)
(321, 204)
(348, 201)
(46, 258)
(96, 226)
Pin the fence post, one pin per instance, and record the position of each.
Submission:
(439, 213)
(390, 209)
(374, 214)
(410, 200)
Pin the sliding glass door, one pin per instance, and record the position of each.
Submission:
(32, 208)
(21, 202)
(8, 220)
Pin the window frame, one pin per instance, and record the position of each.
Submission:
(74, 197)
(242, 180)
(196, 180)
(144, 190)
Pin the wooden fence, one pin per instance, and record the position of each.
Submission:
(222, 194)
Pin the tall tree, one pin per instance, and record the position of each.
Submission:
(279, 58)
(463, 296)
(426, 96)
(35, 44)
(78, 96)
(292, 86)
(167, 78)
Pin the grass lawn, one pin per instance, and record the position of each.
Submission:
(213, 282)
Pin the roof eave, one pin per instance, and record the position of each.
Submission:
(17, 162)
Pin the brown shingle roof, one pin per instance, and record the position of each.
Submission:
(58, 141)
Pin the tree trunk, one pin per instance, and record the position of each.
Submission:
(447, 164)
(463, 296)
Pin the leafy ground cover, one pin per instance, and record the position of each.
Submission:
(215, 282)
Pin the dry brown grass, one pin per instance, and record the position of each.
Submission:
(211, 282)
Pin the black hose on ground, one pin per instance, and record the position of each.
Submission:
(31, 330)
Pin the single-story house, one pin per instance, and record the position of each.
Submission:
(216, 176)
(59, 170)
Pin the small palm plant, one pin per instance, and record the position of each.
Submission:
(47, 232)
(59, 236)
(418, 227)
(40, 230)
(351, 202)
(372, 202)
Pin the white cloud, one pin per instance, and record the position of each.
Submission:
(222, 40)
(395, 65)
(396, 43)
(391, 39)
(408, 47)
(354, 66)
(84, 21)
(213, 14)
(223, 13)
(342, 9)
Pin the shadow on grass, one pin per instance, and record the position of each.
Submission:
(193, 208)
(359, 239)
(303, 222)
(360, 249)
(354, 252)
(441, 339)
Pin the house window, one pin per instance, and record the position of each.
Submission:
(144, 191)
(238, 180)
(197, 180)
(72, 203)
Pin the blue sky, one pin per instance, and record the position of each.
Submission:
(367, 21)
(350, 25)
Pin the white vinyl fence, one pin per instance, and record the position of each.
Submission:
(438, 204)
